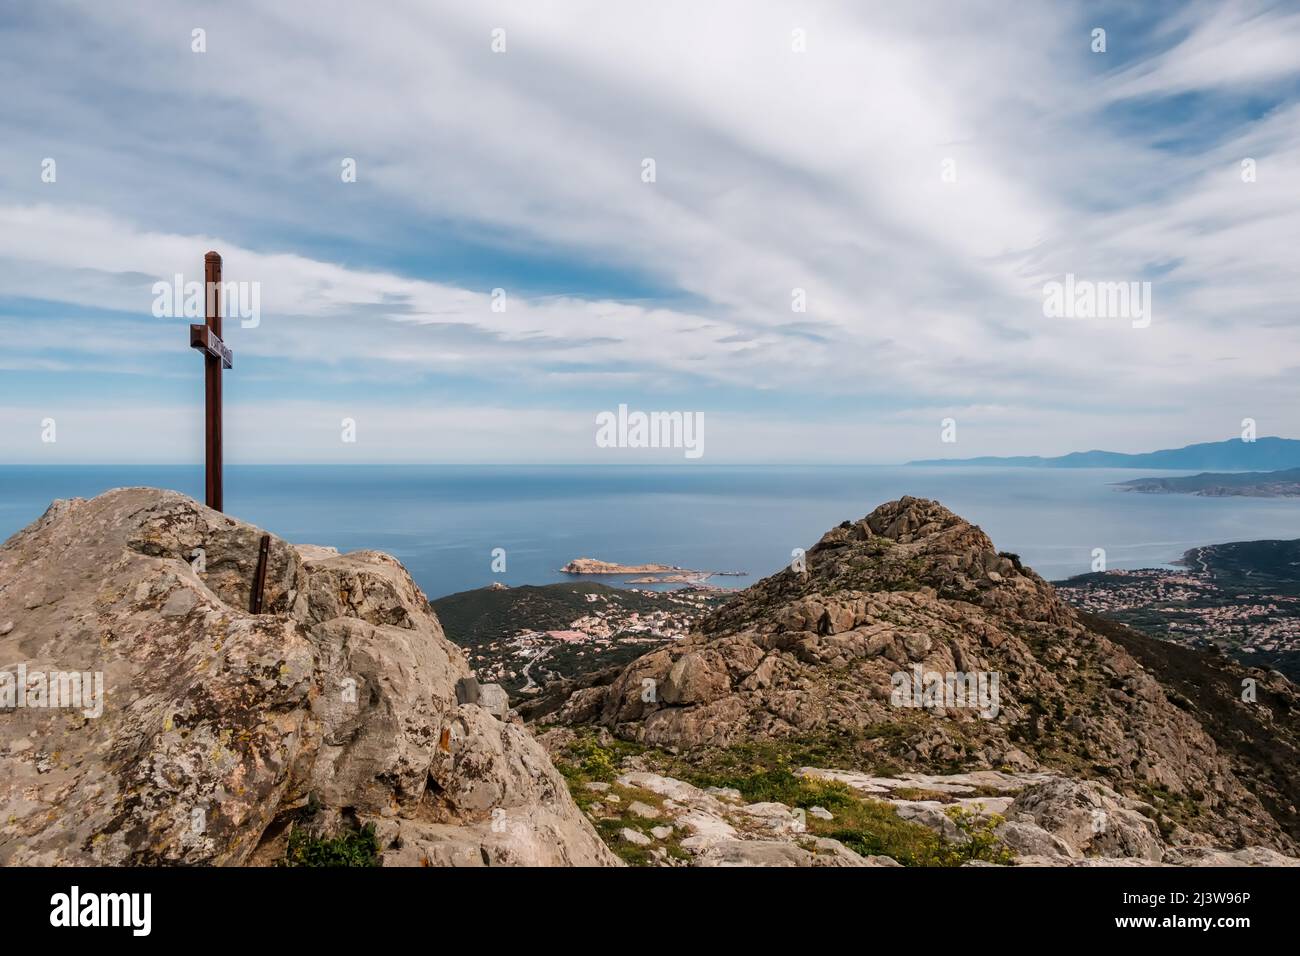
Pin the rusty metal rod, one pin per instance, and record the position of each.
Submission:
(259, 580)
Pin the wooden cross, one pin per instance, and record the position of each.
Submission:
(216, 356)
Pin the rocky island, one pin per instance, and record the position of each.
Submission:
(652, 573)
(594, 566)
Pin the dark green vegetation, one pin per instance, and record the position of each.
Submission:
(472, 618)
(487, 621)
(1245, 594)
(1253, 572)
(350, 848)
(1251, 567)
(1261, 737)
(767, 771)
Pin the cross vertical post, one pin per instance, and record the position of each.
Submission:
(216, 356)
(212, 378)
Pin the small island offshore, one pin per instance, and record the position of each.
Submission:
(651, 573)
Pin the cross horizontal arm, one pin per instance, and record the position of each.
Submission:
(204, 339)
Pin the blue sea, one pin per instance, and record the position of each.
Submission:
(443, 522)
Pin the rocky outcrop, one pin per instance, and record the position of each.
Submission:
(908, 631)
(1035, 819)
(1090, 819)
(1041, 817)
(217, 730)
(717, 828)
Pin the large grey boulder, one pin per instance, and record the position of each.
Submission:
(494, 699)
(217, 729)
(754, 853)
(1026, 839)
(1246, 856)
(1090, 818)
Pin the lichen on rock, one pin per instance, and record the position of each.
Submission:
(222, 730)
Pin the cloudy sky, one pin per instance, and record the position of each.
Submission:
(919, 170)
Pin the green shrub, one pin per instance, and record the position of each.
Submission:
(983, 843)
(350, 848)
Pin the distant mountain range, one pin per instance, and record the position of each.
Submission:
(1209, 484)
(1234, 454)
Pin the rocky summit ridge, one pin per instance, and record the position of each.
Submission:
(912, 591)
(213, 735)
(219, 732)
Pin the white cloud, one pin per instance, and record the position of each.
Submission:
(1233, 46)
(776, 170)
